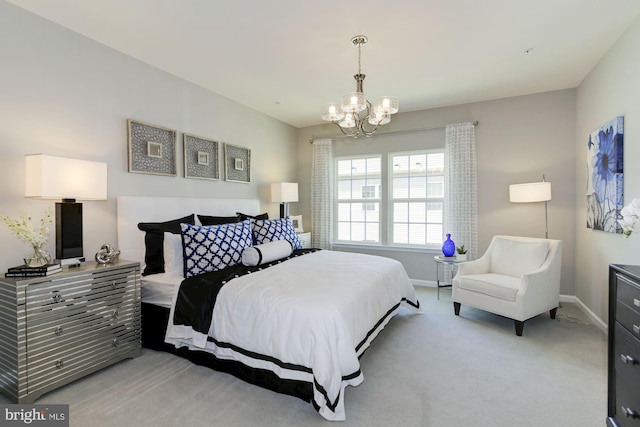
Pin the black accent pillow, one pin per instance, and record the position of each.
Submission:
(154, 241)
(218, 220)
(244, 217)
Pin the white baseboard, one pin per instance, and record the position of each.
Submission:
(425, 283)
(595, 319)
(572, 299)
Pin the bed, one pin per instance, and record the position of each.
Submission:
(296, 324)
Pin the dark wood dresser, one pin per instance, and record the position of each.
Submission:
(624, 346)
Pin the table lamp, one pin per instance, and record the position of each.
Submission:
(53, 177)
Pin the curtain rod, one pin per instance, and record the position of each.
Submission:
(391, 132)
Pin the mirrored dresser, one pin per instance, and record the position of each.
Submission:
(59, 328)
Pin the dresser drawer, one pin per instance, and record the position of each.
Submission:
(627, 355)
(627, 402)
(64, 363)
(628, 293)
(629, 318)
(80, 327)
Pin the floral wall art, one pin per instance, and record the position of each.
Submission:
(605, 176)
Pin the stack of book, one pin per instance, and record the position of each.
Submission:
(26, 271)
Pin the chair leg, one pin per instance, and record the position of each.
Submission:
(519, 327)
(553, 312)
(456, 308)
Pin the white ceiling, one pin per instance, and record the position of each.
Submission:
(286, 58)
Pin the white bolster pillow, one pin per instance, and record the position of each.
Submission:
(266, 252)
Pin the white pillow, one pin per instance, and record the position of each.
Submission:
(267, 252)
(173, 254)
(515, 258)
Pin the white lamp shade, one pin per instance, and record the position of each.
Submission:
(332, 112)
(387, 105)
(354, 102)
(52, 177)
(284, 192)
(530, 192)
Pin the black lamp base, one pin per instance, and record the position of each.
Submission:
(68, 230)
(284, 210)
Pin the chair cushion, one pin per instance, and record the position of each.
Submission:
(515, 258)
(495, 285)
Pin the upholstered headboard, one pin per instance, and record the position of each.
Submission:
(133, 209)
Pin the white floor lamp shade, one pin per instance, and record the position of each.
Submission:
(532, 192)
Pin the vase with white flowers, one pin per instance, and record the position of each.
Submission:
(630, 221)
(36, 237)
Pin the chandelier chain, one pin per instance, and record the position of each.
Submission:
(359, 58)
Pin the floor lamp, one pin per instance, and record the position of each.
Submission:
(533, 192)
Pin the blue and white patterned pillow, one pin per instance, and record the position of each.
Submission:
(268, 230)
(211, 248)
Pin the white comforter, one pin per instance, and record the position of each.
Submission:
(319, 311)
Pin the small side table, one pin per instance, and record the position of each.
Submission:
(442, 261)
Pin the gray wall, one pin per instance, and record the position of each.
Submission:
(611, 89)
(518, 139)
(66, 95)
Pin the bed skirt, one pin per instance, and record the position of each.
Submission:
(154, 325)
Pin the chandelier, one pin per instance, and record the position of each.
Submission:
(355, 116)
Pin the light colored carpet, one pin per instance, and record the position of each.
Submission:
(433, 369)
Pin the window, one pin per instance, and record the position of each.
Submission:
(358, 213)
(413, 185)
(417, 197)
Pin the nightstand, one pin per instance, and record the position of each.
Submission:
(305, 239)
(59, 328)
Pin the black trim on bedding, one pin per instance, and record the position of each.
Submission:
(259, 356)
(154, 323)
(411, 303)
(331, 405)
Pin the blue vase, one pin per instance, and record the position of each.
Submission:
(448, 246)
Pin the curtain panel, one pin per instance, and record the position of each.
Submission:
(461, 187)
(322, 194)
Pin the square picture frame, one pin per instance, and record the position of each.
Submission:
(201, 158)
(152, 149)
(296, 220)
(237, 161)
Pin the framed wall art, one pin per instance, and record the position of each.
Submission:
(201, 159)
(152, 149)
(605, 176)
(296, 220)
(237, 162)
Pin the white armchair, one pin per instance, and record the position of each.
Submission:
(517, 277)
